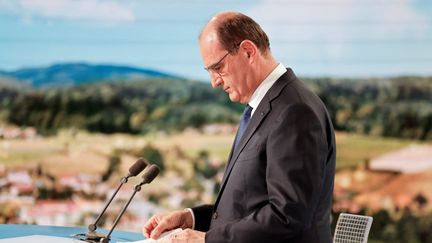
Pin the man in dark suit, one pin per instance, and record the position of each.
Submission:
(278, 183)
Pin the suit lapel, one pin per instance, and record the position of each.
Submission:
(258, 117)
(255, 121)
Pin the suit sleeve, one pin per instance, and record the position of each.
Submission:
(202, 215)
(296, 151)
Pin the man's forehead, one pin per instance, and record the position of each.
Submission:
(210, 38)
(209, 41)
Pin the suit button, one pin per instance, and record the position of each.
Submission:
(215, 215)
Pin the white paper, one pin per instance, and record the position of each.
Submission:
(38, 239)
(161, 238)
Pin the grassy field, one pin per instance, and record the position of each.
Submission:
(353, 149)
(90, 152)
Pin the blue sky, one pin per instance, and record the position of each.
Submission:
(340, 38)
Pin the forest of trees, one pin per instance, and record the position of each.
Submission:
(397, 107)
(129, 107)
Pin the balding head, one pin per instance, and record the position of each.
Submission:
(235, 51)
(231, 28)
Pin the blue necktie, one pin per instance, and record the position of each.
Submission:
(243, 124)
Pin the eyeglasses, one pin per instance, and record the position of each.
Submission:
(217, 66)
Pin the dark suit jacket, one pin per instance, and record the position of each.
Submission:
(279, 181)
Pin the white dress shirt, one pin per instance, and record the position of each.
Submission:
(265, 85)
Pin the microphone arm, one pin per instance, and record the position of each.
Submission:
(149, 175)
(134, 170)
(92, 227)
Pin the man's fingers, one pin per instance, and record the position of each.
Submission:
(156, 232)
(150, 225)
(167, 223)
(158, 224)
(187, 236)
(161, 227)
(146, 229)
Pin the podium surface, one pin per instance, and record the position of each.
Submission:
(18, 230)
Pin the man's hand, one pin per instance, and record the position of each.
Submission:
(187, 236)
(160, 223)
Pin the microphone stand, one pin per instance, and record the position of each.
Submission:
(134, 170)
(149, 175)
(91, 236)
(106, 239)
(92, 227)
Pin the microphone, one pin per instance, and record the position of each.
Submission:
(137, 167)
(149, 175)
(134, 170)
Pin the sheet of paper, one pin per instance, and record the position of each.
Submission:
(160, 239)
(39, 239)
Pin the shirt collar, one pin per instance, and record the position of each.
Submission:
(265, 85)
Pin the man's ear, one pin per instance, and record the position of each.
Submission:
(249, 48)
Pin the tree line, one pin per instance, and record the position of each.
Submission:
(129, 107)
(393, 107)
(396, 107)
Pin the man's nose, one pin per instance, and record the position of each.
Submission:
(216, 80)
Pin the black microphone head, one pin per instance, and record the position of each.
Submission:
(137, 167)
(150, 174)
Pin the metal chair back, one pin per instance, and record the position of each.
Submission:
(352, 228)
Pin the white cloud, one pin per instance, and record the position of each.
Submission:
(340, 14)
(95, 10)
(7, 5)
(405, 11)
(336, 20)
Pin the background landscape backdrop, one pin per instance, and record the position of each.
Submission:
(87, 87)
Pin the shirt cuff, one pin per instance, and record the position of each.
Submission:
(193, 217)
